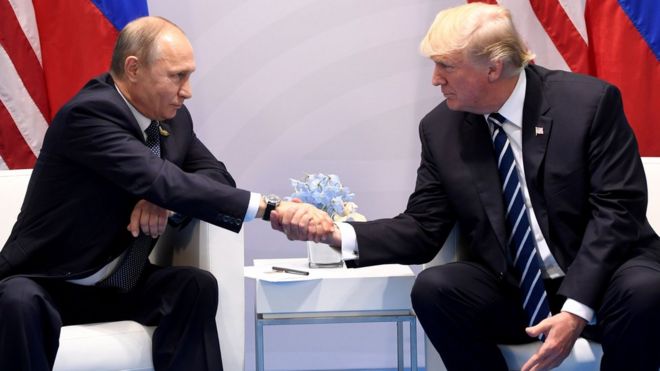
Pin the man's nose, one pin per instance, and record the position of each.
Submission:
(438, 78)
(186, 90)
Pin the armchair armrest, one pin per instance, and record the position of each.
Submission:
(220, 252)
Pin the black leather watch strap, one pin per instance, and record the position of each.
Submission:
(271, 203)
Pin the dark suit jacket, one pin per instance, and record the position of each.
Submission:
(584, 174)
(93, 168)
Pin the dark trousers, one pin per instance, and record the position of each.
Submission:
(181, 301)
(466, 312)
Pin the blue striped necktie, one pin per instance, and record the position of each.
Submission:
(520, 238)
(128, 270)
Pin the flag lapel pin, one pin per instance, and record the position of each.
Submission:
(538, 130)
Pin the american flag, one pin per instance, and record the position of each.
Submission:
(48, 50)
(615, 40)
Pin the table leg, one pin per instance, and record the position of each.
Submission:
(259, 344)
(413, 344)
(399, 345)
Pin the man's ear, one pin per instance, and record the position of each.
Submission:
(495, 69)
(131, 66)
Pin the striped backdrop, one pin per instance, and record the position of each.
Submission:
(50, 48)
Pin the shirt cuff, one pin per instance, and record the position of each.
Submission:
(580, 310)
(253, 207)
(349, 248)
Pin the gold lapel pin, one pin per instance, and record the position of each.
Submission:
(163, 132)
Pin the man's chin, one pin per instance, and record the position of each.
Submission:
(452, 104)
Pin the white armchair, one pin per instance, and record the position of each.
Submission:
(585, 354)
(126, 345)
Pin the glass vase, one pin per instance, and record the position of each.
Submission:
(320, 255)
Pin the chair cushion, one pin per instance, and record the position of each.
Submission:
(585, 355)
(122, 345)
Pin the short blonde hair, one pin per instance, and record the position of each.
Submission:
(483, 32)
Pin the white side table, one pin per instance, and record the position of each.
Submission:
(333, 295)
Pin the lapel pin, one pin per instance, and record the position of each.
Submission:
(538, 130)
(166, 133)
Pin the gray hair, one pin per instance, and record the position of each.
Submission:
(138, 38)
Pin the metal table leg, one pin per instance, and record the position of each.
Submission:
(413, 344)
(259, 343)
(399, 345)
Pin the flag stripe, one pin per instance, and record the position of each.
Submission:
(641, 13)
(638, 82)
(13, 149)
(563, 33)
(120, 12)
(25, 115)
(71, 32)
(25, 61)
(25, 13)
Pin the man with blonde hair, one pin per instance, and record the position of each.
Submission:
(117, 157)
(540, 171)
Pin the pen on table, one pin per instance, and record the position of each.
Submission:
(290, 270)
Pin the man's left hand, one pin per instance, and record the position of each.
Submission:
(561, 332)
(148, 217)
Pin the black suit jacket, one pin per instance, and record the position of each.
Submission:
(584, 175)
(93, 168)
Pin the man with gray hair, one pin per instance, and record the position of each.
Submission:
(116, 159)
(540, 172)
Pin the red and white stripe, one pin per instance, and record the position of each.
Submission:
(555, 31)
(24, 110)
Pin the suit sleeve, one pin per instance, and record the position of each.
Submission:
(201, 188)
(416, 235)
(617, 202)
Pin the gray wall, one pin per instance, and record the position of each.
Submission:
(285, 87)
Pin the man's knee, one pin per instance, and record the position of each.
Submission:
(18, 294)
(639, 292)
(428, 287)
(202, 284)
(22, 299)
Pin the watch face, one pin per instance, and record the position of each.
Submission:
(273, 199)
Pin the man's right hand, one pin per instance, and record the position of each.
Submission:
(302, 222)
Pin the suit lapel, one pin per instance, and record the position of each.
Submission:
(536, 131)
(166, 139)
(479, 156)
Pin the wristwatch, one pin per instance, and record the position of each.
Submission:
(272, 201)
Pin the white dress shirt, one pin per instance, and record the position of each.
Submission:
(512, 110)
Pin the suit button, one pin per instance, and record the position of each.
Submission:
(500, 276)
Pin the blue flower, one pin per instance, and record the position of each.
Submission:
(323, 191)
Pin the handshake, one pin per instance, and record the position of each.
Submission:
(298, 220)
(304, 222)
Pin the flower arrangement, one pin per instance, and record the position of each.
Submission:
(328, 194)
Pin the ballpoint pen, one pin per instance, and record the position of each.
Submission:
(290, 270)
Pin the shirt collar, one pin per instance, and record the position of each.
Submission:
(512, 109)
(142, 120)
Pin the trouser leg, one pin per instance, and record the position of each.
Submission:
(629, 318)
(465, 311)
(29, 326)
(183, 302)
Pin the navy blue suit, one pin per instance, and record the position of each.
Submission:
(92, 169)
(587, 189)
